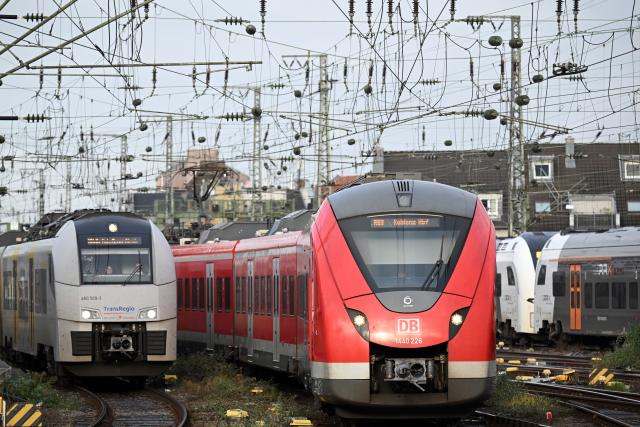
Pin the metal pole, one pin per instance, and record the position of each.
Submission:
(4, 3)
(517, 197)
(123, 173)
(40, 24)
(41, 188)
(67, 202)
(323, 166)
(256, 161)
(168, 177)
(75, 39)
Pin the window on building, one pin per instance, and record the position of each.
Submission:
(619, 295)
(629, 167)
(633, 205)
(588, 295)
(602, 295)
(542, 170)
(632, 169)
(543, 207)
(492, 202)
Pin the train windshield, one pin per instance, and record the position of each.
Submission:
(115, 260)
(406, 251)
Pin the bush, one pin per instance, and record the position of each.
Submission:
(512, 398)
(37, 387)
(200, 365)
(627, 352)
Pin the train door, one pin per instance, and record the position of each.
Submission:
(250, 309)
(210, 306)
(276, 309)
(575, 305)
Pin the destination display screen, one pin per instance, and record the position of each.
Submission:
(114, 240)
(404, 221)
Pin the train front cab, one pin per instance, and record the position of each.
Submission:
(419, 348)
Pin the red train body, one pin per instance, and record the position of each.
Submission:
(386, 302)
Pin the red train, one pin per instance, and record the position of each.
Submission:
(382, 308)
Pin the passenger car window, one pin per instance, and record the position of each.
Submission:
(633, 295)
(559, 285)
(588, 295)
(602, 295)
(511, 280)
(619, 295)
(498, 290)
(542, 274)
(179, 293)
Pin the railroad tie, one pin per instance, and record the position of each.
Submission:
(24, 414)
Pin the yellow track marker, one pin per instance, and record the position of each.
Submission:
(237, 413)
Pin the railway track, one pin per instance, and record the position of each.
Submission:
(619, 409)
(127, 407)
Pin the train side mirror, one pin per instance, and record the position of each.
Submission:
(530, 300)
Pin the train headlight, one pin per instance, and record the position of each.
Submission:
(457, 319)
(360, 322)
(88, 314)
(148, 314)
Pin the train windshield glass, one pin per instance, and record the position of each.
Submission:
(406, 251)
(115, 260)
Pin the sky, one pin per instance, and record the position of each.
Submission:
(425, 78)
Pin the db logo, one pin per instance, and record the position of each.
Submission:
(408, 326)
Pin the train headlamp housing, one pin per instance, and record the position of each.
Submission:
(360, 322)
(150, 313)
(89, 314)
(456, 321)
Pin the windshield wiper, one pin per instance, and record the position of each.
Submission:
(133, 273)
(435, 271)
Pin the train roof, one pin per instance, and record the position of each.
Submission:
(402, 195)
(627, 236)
(235, 230)
(268, 242)
(204, 249)
(294, 221)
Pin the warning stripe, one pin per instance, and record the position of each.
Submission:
(24, 414)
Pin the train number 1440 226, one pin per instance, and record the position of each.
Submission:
(408, 340)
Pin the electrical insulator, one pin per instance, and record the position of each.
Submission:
(263, 12)
(430, 82)
(369, 14)
(576, 9)
(344, 74)
(416, 9)
(452, 9)
(384, 75)
(59, 77)
(146, 11)
(352, 11)
(501, 68)
(207, 79)
(559, 14)
(91, 133)
(193, 79)
(35, 118)
(471, 69)
(34, 17)
(41, 78)
(154, 79)
(390, 13)
(233, 20)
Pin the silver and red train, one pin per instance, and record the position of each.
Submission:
(383, 307)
